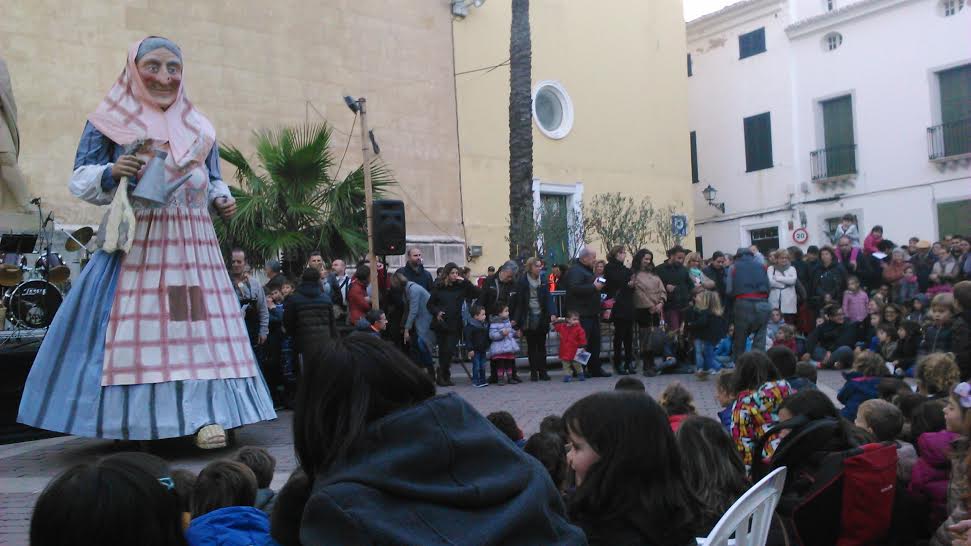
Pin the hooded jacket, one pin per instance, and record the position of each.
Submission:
(308, 316)
(571, 339)
(754, 413)
(502, 344)
(477, 336)
(449, 299)
(436, 473)
(857, 389)
(928, 479)
(235, 525)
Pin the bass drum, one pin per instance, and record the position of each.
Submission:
(32, 304)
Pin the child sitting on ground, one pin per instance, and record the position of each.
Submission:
(886, 341)
(904, 355)
(572, 338)
(222, 507)
(772, 327)
(861, 383)
(549, 450)
(936, 375)
(126, 498)
(937, 334)
(807, 371)
(723, 351)
(785, 361)
(504, 346)
(628, 383)
(725, 396)
(477, 339)
(262, 464)
(678, 403)
(918, 309)
(785, 337)
(504, 421)
(885, 422)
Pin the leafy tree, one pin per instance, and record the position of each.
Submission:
(290, 203)
(619, 220)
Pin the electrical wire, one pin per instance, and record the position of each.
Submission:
(486, 69)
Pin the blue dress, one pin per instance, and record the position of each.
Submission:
(64, 391)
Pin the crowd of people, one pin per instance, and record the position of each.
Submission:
(383, 459)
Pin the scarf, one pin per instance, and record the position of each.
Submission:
(127, 114)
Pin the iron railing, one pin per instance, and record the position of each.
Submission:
(949, 139)
(833, 162)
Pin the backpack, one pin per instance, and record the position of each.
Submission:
(844, 496)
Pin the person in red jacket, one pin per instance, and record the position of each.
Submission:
(358, 303)
(572, 338)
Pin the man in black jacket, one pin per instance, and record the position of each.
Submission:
(677, 282)
(499, 289)
(583, 296)
(414, 269)
(308, 315)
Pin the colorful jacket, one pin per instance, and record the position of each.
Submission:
(928, 479)
(571, 339)
(857, 389)
(854, 305)
(753, 415)
(503, 345)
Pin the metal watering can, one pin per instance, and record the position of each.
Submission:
(152, 186)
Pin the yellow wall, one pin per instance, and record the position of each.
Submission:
(249, 64)
(624, 69)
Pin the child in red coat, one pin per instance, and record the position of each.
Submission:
(572, 338)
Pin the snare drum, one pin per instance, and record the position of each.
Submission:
(55, 271)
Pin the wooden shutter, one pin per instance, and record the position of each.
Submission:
(694, 159)
(758, 142)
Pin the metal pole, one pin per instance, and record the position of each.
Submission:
(368, 200)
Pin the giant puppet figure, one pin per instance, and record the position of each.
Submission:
(11, 178)
(150, 343)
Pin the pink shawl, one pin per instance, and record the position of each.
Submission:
(127, 114)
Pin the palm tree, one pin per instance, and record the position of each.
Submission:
(520, 133)
(291, 204)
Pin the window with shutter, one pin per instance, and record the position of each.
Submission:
(694, 158)
(955, 87)
(751, 43)
(689, 65)
(758, 142)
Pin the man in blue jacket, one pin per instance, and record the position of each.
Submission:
(747, 285)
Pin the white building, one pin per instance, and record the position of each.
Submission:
(802, 111)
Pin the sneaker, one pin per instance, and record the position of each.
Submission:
(701, 374)
(581, 376)
(480, 385)
(533, 376)
(543, 376)
(567, 379)
(712, 372)
(513, 380)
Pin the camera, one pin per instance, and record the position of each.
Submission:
(601, 280)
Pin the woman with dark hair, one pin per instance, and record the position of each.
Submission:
(649, 296)
(828, 280)
(128, 498)
(620, 289)
(760, 391)
(631, 487)
(532, 311)
(450, 292)
(358, 303)
(712, 467)
(392, 463)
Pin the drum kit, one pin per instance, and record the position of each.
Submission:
(32, 295)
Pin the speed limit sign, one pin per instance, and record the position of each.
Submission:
(800, 236)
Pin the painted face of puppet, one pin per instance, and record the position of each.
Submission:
(161, 72)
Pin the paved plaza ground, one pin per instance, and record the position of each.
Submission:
(27, 467)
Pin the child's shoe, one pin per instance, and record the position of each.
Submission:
(502, 379)
(701, 374)
(567, 379)
(483, 384)
(514, 379)
(581, 376)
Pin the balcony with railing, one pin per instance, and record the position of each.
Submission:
(833, 163)
(949, 141)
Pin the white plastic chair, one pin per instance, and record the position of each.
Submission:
(751, 515)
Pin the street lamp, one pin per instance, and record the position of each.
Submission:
(710, 194)
(460, 8)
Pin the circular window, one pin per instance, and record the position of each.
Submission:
(552, 109)
(832, 40)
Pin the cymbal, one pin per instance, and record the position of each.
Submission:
(59, 274)
(82, 235)
(10, 277)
